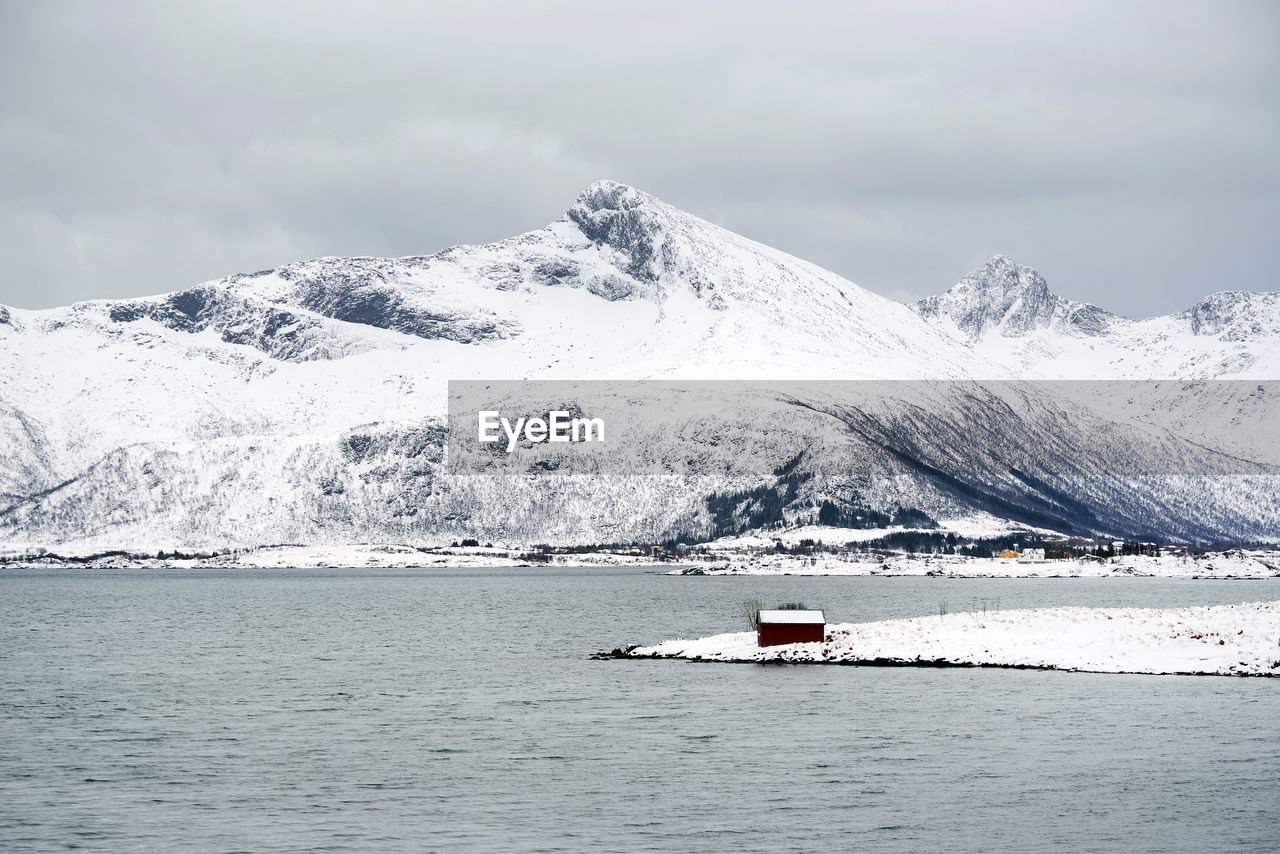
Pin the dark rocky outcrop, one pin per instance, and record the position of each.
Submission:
(274, 330)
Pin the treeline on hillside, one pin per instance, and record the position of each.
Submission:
(753, 509)
(862, 518)
(763, 508)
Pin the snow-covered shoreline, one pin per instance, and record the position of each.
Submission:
(1232, 564)
(1222, 640)
(345, 556)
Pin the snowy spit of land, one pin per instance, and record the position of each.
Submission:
(1221, 640)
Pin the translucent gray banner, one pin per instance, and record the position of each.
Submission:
(965, 429)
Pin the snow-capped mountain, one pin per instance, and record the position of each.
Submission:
(306, 403)
(1005, 298)
(1009, 316)
(643, 288)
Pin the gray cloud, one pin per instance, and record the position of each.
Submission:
(1125, 150)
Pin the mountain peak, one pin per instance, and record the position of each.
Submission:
(1234, 315)
(623, 218)
(605, 194)
(1004, 262)
(1005, 279)
(1014, 299)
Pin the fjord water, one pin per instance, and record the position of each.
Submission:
(374, 711)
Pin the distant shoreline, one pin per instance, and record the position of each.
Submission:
(1255, 563)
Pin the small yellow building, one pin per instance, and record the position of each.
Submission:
(1009, 553)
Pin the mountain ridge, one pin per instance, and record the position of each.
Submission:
(1013, 300)
(1006, 313)
(1001, 296)
(307, 401)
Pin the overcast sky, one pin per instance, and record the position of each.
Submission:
(1126, 150)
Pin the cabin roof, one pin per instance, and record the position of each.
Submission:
(806, 617)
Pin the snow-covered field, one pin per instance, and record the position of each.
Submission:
(400, 556)
(970, 526)
(1236, 563)
(348, 556)
(1225, 640)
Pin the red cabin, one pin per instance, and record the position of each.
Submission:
(774, 628)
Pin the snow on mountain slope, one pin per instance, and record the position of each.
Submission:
(624, 286)
(308, 399)
(643, 288)
(305, 403)
(1008, 315)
